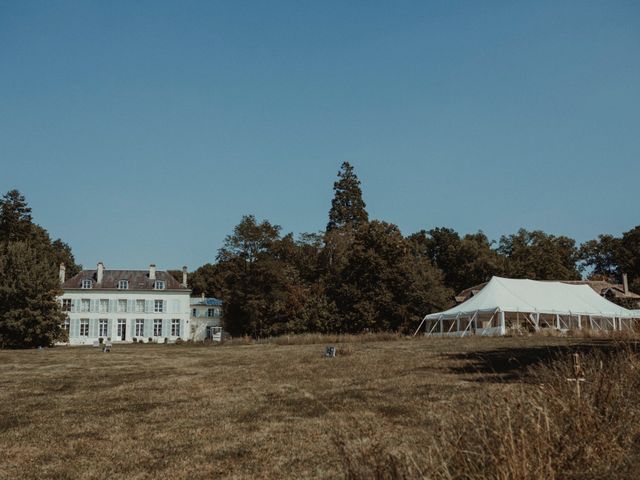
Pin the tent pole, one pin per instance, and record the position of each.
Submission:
(503, 328)
(557, 321)
(420, 326)
(579, 322)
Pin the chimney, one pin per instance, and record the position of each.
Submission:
(152, 271)
(61, 273)
(625, 283)
(100, 272)
(184, 276)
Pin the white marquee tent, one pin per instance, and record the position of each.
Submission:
(514, 304)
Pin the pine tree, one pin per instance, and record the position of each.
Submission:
(30, 314)
(15, 217)
(347, 206)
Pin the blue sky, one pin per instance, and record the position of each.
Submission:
(141, 132)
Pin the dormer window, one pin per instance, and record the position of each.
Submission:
(123, 284)
(86, 284)
(158, 285)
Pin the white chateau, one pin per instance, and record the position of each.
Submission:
(121, 305)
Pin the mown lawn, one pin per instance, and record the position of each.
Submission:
(254, 411)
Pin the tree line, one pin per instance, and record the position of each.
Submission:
(364, 275)
(357, 275)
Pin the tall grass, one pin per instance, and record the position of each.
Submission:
(316, 338)
(540, 429)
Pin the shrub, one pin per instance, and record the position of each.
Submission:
(100, 340)
(179, 341)
(166, 340)
(150, 340)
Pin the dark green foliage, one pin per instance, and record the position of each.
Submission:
(612, 256)
(600, 255)
(465, 261)
(628, 257)
(29, 261)
(540, 256)
(15, 217)
(347, 206)
(384, 285)
(30, 316)
(274, 285)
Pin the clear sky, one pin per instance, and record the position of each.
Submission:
(141, 132)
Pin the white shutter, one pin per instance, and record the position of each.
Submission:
(74, 328)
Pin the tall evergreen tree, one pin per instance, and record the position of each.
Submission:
(30, 315)
(15, 217)
(347, 206)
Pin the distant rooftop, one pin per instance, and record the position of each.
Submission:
(206, 301)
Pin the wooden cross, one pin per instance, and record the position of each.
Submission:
(578, 373)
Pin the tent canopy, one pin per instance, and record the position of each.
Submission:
(534, 296)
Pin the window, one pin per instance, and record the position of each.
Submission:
(85, 305)
(122, 328)
(104, 306)
(211, 312)
(159, 285)
(123, 284)
(103, 327)
(122, 305)
(157, 327)
(139, 327)
(84, 327)
(66, 304)
(65, 325)
(86, 284)
(139, 306)
(158, 306)
(194, 312)
(175, 327)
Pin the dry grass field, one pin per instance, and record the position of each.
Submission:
(386, 409)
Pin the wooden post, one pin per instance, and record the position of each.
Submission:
(578, 374)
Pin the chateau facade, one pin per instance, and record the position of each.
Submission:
(123, 305)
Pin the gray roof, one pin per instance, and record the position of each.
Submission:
(138, 280)
(209, 302)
